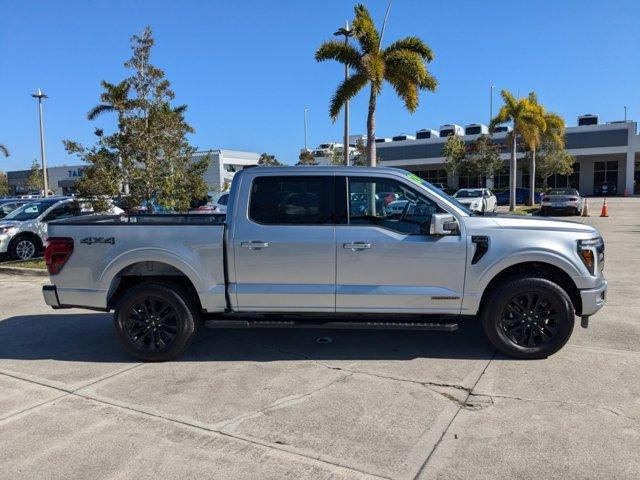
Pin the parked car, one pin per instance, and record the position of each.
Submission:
(562, 200)
(23, 231)
(522, 197)
(290, 245)
(477, 199)
(9, 205)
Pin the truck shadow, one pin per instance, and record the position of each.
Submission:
(90, 337)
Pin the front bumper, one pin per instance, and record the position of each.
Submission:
(4, 242)
(593, 299)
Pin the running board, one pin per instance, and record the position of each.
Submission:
(364, 325)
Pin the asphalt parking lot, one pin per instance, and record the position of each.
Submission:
(278, 404)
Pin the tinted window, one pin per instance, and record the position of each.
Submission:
(67, 210)
(389, 204)
(292, 200)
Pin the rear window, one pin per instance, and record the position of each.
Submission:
(563, 191)
(292, 200)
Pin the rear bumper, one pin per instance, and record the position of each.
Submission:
(52, 298)
(50, 295)
(593, 299)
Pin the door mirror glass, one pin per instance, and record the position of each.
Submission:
(443, 224)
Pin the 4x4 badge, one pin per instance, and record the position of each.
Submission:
(92, 240)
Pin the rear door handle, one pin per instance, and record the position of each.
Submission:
(357, 246)
(254, 244)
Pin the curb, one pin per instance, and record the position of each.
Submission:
(34, 272)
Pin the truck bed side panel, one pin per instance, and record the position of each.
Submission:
(102, 252)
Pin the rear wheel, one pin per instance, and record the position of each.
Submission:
(156, 322)
(528, 318)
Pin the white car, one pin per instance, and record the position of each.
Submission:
(477, 199)
(217, 203)
(23, 232)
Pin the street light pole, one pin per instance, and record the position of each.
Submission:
(347, 33)
(491, 104)
(40, 95)
(305, 130)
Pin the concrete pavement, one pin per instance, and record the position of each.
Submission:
(277, 404)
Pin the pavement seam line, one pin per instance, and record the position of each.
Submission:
(214, 431)
(76, 393)
(435, 447)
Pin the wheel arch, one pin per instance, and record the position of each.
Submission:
(541, 270)
(27, 234)
(151, 271)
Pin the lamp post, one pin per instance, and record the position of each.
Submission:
(39, 95)
(491, 104)
(347, 32)
(305, 129)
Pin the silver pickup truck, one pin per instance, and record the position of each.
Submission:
(329, 247)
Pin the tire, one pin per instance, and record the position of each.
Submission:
(578, 212)
(140, 327)
(521, 334)
(24, 247)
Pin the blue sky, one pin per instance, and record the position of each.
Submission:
(246, 69)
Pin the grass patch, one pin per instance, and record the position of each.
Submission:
(524, 210)
(38, 264)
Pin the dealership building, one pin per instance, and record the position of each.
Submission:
(62, 180)
(607, 156)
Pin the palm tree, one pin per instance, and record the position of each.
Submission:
(402, 64)
(115, 98)
(527, 124)
(4, 150)
(548, 125)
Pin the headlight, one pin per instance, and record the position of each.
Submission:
(7, 229)
(591, 251)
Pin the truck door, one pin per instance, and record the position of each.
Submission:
(284, 244)
(386, 259)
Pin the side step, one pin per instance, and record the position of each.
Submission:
(363, 325)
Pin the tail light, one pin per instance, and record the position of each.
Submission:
(573, 199)
(57, 252)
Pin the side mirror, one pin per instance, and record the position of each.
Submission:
(443, 224)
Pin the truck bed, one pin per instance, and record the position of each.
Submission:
(109, 248)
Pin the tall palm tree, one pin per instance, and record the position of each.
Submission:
(548, 125)
(402, 64)
(527, 124)
(4, 150)
(115, 98)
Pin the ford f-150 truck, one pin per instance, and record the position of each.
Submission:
(320, 247)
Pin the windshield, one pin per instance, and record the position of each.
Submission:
(563, 191)
(423, 183)
(30, 210)
(468, 193)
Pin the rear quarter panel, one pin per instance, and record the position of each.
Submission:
(88, 276)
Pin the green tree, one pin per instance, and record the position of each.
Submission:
(306, 158)
(402, 64)
(483, 158)
(269, 160)
(552, 160)
(35, 180)
(526, 125)
(337, 156)
(4, 184)
(4, 150)
(149, 151)
(454, 152)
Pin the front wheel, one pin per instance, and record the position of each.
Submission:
(155, 322)
(528, 317)
(23, 248)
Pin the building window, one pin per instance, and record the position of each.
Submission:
(556, 181)
(471, 181)
(605, 178)
(433, 176)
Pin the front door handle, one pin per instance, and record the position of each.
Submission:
(357, 246)
(254, 244)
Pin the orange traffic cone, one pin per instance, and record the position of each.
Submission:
(605, 210)
(585, 209)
